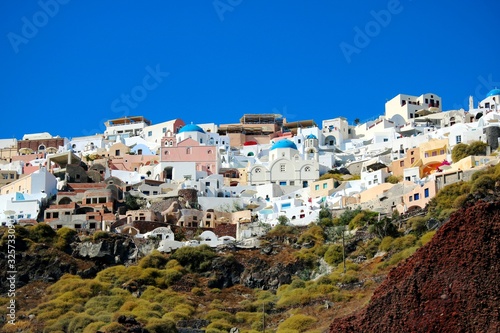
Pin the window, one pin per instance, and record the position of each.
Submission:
(164, 130)
(117, 152)
(11, 176)
(258, 170)
(166, 152)
(434, 153)
(416, 196)
(150, 133)
(292, 183)
(282, 167)
(411, 115)
(459, 138)
(386, 139)
(426, 193)
(299, 141)
(283, 182)
(401, 163)
(78, 226)
(325, 185)
(188, 151)
(441, 152)
(410, 198)
(307, 169)
(316, 187)
(209, 151)
(412, 160)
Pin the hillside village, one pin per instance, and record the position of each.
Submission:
(231, 182)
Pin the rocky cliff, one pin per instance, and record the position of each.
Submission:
(449, 285)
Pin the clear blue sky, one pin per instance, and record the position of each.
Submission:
(68, 71)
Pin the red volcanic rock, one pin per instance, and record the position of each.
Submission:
(450, 285)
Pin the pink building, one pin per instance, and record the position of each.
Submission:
(186, 155)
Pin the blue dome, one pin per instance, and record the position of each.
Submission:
(494, 92)
(284, 144)
(311, 136)
(191, 128)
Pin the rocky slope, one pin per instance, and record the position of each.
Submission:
(450, 285)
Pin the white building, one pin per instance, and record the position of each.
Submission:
(154, 133)
(491, 102)
(285, 166)
(335, 132)
(125, 127)
(16, 206)
(85, 145)
(402, 108)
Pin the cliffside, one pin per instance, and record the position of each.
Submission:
(450, 285)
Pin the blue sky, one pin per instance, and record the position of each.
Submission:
(69, 65)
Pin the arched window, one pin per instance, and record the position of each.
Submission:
(307, 169)
(209, 151)
(188, 150)
(258, 170)
(41, 147)
(167, 152)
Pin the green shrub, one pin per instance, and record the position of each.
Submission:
(42, 233)
(458, 152)
(393, 179)
(333, 255)
(483, 184)
(385, 244)
(426, 238)
(155, 259)
(101, 235)
(79, 322)
(313, 234)
(460, 201)
(113, 328)
(65, 236)
(94, 327)
(213, 315)
(161, 326)
(298, 323)
(219, 326)
(404, 242)
(418, 224)
(445, 214)
(195, 259)
(294, 297)
(297, 283)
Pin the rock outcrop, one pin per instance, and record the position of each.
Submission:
(108, 251)
(449, 285)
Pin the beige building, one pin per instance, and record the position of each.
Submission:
(40, 181)
(322, 188)
(398, 166)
